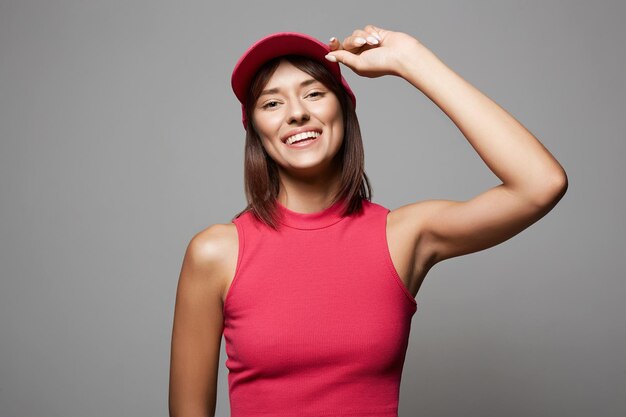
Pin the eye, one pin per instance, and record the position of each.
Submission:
(267, 105)
(270, 104)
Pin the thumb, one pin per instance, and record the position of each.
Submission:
(347, 58)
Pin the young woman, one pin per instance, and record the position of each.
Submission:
(313, 285)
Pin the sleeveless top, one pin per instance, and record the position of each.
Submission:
(317, 319)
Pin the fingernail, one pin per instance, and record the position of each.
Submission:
(360, 41)
(331, 58)
(332, 39)
(378, 36)
(373, 40)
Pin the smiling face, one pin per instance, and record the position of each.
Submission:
(292, 101)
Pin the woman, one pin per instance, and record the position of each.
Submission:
(313, 284)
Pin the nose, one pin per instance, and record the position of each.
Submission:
(298, 112)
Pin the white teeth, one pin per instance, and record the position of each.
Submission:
(301, 136)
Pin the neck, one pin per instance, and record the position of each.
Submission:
(308, 194)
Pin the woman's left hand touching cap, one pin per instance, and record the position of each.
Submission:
(373, 51)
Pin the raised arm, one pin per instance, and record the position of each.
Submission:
(532, 179)
(197, 328)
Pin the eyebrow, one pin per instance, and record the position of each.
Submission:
(276, 90)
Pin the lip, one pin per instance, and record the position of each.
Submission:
(300, 130)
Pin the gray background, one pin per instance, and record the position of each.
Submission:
(121, 139)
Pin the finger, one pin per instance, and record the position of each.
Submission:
(334, 44)
(357, 40)
(374, 31)
(352, 43)
(359, 35)
(345, 57)
(383, 33)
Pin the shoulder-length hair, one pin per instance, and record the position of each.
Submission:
(261, 179)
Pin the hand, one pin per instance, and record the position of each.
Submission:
(371, 59)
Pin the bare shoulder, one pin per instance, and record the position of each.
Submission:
(415, 215)
(212, 242)
(198, 321)
(217, 247)
(409, 223)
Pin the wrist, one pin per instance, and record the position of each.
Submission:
(414, 64)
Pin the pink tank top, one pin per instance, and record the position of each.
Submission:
(317, 320)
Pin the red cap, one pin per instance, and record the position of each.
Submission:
(277, 44)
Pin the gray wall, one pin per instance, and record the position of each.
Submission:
(121, 139)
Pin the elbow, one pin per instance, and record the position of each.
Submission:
(559, 184)
(554, 189)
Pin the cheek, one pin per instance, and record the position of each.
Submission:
(337, 114)
(337, 122)
(331, 114)
(268, 124)
(272, 148)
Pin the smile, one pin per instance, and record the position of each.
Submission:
(304, 137)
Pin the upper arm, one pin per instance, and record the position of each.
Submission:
(453, 228)
(197, 328)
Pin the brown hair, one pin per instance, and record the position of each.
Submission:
(261, 172)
